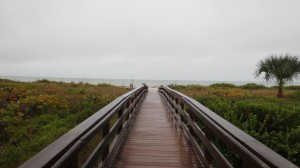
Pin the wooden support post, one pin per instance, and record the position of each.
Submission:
(106, 130)
(72, 161)
(120, 113)
(192, 117)
(175, 107)
(209, 136)
(127, 105)
(132, 99)
(182, 107)
(173, 99)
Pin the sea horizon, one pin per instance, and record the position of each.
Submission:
(136, 82)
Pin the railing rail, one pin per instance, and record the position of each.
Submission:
(202, 127)
(92, 142)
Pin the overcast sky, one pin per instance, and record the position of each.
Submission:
(145, 39)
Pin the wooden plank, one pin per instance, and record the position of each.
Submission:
(154, 140)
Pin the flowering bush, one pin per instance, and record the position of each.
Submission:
(50, 89)
(34, 105)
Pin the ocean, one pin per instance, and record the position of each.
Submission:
(136, 82)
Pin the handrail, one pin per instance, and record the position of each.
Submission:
(189, 113)
(93, 141)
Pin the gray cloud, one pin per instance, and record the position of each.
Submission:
(193, 40)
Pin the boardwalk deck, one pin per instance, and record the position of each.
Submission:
(154, 140)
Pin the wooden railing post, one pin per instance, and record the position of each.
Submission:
(171, 102)
(193, 118)
(181, 105)
(209, 135)
(105, 134)
(120, 113)
(127, 105)
(72, 162)
(168, 97)
(131, 100)
(176, 110)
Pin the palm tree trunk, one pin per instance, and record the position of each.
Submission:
(280, 92)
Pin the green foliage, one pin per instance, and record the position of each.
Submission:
(223, 85)
(104, 85)
(32, 115)
(274, 122)
(252, 86)
(229, 92)
(197, 87)
(173, 86)
(295, 95)
(292, 87)
(5, 80)
(8, 119)
(36, 105)
(43, 81)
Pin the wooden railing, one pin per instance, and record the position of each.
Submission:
(207, 131)
(92, 143)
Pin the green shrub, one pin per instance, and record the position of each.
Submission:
(251, 86)
(72, 90)
(104, 85)
(7, 119)
(223, 85)
(292, 87)
(274, 123)
(43, 81)
(5, 80)
(274, 87)
(294, 96)
(36, 105)
(229, 92)
(174, 86)
(196, 87)
(287, 87)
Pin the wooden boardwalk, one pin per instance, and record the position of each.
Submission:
(154, 140)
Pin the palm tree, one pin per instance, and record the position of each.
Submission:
(281, 69)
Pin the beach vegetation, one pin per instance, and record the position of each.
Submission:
(272, 121)
(34, 114)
